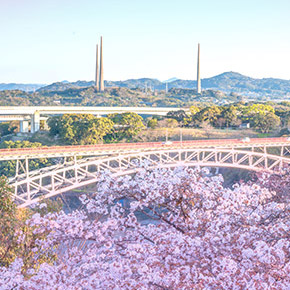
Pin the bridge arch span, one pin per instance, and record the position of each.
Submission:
(32, 188)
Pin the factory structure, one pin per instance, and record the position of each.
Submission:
(99, 77)
(198, 85)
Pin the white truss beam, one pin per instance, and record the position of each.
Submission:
(32, 186)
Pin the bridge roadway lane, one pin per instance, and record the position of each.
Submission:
(115, 148)
(60, 110)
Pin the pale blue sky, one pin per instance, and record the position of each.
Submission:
(54, 40)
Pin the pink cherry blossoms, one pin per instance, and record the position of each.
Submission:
(164, 229)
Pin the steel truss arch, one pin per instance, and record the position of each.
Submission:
(36, 185)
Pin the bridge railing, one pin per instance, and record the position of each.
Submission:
(144, 145)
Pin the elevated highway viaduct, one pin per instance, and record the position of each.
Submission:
(33, 114)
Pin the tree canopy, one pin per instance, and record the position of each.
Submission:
(7, 128)
(164, 229)
(127, 125)
(80, 128)
(17, 238)
(7, 168)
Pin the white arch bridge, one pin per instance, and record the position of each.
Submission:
(80, 166)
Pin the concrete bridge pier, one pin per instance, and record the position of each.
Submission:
(24, 126)
(35, 122)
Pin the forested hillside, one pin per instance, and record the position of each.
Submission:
(228, 82)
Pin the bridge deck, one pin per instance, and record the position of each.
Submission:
(31, 186)
(100, 149)
(20, 110)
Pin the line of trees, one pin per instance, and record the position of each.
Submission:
(261, 117)
(89, 129)
(7, 168)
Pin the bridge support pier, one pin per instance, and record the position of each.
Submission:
(24, 126)
(35, 122)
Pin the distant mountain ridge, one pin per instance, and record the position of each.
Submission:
(227, 82)
(238, 83)
(65, 85)
(21, 87)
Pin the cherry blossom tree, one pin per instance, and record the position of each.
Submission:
(163, 229)
(278, 181)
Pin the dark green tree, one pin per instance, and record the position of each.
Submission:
(152, 123)
(127, 125)
(230, 115)
(7, 168)
(209, 114)
(191, 119)
(262, 117)
(265, 123)
(7, 223)
(80, 128)
(6, 129)
(179, 115)
(17, 237)
(54, 125)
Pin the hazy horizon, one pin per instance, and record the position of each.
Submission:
(55, 41)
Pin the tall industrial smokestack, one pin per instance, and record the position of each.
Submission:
(198, 71)
(97, 78)
(101, 67)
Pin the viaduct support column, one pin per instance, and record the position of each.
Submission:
(35, 122)
(24, 126)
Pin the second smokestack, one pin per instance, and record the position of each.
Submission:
(198, 71)
(102, 87)
(97, 79)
